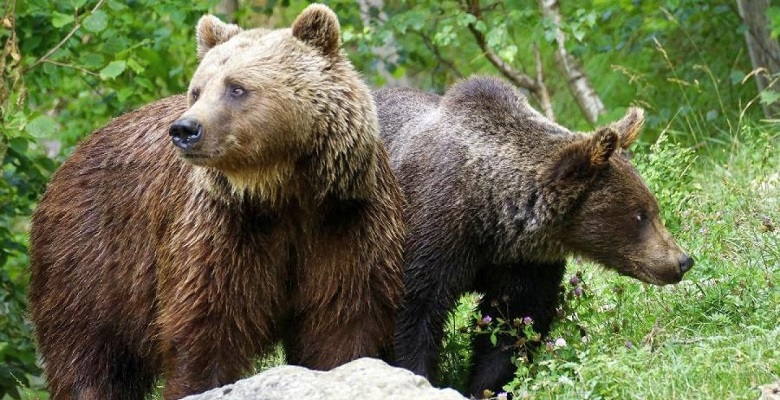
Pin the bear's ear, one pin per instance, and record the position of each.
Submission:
(319, 27)
(630, 126)
(211, 32)
(582, 158)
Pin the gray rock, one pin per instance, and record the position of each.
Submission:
(365, 378)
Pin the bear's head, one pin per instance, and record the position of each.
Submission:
(267, 105)
(611, 215)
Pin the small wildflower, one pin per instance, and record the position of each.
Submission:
(528, 321)
(517, 322)
(703, 230)
(494, 303)
(574, 280)
(560, 342)
(549, 346)
(486, 319)
(629, 345)
(585, 339)
(502, 396)
(578, 291)
(505, 298)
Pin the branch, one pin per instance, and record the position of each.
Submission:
(84, 70)
(520, 79)
(63, 41)
(579, 85)
(544, 95)
(435, 50)
(535, 86)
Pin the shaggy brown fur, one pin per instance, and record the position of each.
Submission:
(497, 197)
(284, 223)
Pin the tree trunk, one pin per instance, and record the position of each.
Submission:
(579, 85)
(226, 9)
(372, 12)
(764, 50)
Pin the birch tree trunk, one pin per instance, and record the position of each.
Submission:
(764, 50)
(227, 10)
(372, 12)
(588, 100)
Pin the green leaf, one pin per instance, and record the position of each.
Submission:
(493, 338)
(58, 20)
(135, 66)
(112, 70)
(42, 127)
(77, 3)
(736, 76)
(769, 97)
(123, 94)
(19, 145)
(96, 22)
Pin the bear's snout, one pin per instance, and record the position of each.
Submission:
(185, 132)
(686, 263)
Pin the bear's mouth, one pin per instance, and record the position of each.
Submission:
(195, 158)
(638, 271)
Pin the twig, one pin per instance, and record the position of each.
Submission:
(520, 79)
(544, 95)
(535, 86)
(63, 41)
(86, 71)
(435, 50)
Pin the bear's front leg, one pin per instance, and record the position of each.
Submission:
(512, 291)
(204, 356)
(210, 340)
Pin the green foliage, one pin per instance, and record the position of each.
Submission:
(666, 168)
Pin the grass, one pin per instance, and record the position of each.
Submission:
(714, 335)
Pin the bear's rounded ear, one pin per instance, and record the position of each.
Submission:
(581, 159)
(211, 32)
(630, 126)
(319, 27)
(601, 146)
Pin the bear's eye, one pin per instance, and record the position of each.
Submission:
(236, 91)
(195, 93)
(641, 216)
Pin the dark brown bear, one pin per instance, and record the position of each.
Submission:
(498, 196)
(273, 215)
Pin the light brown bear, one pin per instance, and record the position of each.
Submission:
(272, 216)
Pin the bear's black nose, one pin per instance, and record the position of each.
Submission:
(185, 132)
(686, 263)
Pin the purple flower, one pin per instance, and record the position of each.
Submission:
(528, 321)
(578, 291)
(574, 280)
(629, 345)
(549, 346)
(502, 396)
(486, 319)
(560, 342)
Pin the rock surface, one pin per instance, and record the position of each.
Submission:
(365, 378)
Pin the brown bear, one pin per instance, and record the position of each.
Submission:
(497, 197)
(269, 214)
